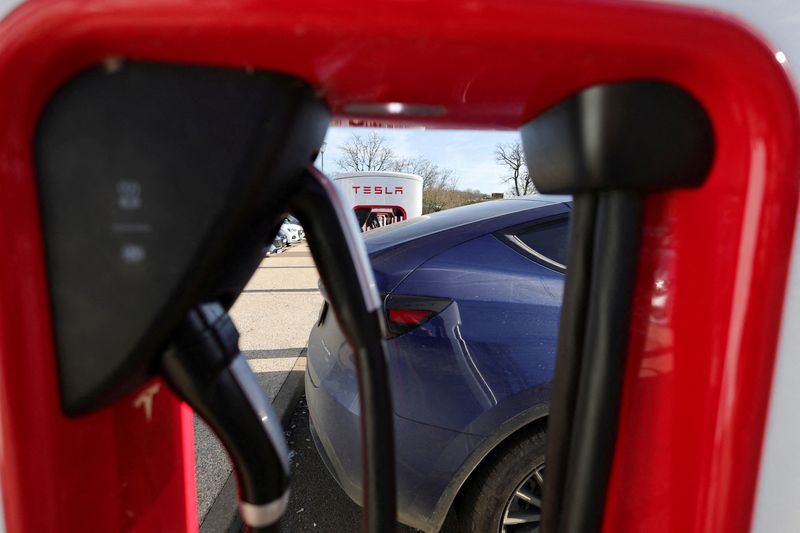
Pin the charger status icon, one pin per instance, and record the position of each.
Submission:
(129, 195)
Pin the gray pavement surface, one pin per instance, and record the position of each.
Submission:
(274, 315)
(317, 504)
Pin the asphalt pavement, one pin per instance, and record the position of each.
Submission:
(317, 504)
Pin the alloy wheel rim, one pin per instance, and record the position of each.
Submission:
(523, 511)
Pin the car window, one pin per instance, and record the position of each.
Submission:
(422, 226)
(547, 240)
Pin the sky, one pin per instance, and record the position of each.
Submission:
(8, 5)
(470, 154)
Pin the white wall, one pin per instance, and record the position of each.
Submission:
(383, 189)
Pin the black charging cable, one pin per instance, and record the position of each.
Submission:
(340, 255)
(207, 370)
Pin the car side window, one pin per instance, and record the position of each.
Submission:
(545, 242)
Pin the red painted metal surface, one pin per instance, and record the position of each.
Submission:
(707, 312)
(712, 269)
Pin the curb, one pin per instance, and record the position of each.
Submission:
(223, 514)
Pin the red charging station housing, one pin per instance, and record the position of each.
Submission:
(712, 269)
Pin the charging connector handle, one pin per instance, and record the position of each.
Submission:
(207, 370)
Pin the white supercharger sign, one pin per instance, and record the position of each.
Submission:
(380, 198)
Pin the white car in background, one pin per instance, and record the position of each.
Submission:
(294, 231)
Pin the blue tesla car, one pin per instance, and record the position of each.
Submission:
(472, 297)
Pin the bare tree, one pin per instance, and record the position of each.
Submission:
(438, 183)
(361, 154)
(513, 158)
(419, 166)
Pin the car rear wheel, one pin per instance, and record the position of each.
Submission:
(506, 494)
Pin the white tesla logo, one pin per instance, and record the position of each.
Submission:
(145, 400)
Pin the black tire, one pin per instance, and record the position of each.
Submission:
(519, 463)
